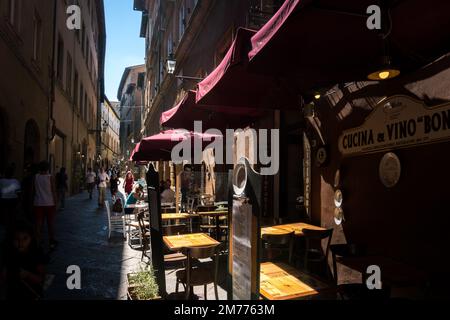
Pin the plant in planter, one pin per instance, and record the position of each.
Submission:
(142, 285)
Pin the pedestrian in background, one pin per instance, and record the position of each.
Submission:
(44, 190)
(103, 179)
(61, 187)
(114, 184)
(90, 182)
(128, 183)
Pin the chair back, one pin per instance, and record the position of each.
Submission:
(201, 252)
(310, 234)
(286, 239)
(279, 239)
(345, 250)
(176, 229)
(141, 221)
(108, 211)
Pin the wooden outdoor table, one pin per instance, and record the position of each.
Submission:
(279, 281)
(217, 214)
(176, 243)
(393, 272)
(287, 228)
(175, 216)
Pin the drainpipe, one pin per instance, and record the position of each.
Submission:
(51, 120)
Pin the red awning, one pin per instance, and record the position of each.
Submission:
(187, 111)
(159, 147)
(231, 85)
(323, 42)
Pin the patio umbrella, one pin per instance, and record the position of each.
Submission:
(160, 146)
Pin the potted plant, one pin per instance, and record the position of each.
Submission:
(142, 285)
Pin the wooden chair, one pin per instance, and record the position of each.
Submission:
(175, 229)
(203, 273)
(116, 222)
(316, 255)
(279, 242)
(354, 291)
(144, 234)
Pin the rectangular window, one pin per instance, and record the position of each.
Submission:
(60, 59)
(181, 21)
(37, 37)
(80, 110)
(14, 13)
(69, 74)
(85, 106)
(75, 91)
(87, 46)
(83, 38)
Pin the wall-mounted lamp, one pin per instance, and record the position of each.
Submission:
(171, 64)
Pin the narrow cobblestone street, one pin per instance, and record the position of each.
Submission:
(82, 233)
(82, 230)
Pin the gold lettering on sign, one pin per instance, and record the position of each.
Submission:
(397, 122)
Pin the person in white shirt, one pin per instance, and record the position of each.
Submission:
(103, 179)
(45, 202)
(168, 195)
(90, 181)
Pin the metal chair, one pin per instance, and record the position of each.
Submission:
(203, 273)
(279, 242)
(116, 222)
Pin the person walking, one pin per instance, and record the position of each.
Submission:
(61, 187)
(90, 181)
(114, 184)
(45, 202)
(103, 179)
(128, 183)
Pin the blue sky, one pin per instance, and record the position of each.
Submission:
(124, 47)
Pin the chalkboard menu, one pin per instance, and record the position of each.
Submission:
(245, 234)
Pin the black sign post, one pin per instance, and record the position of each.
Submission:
(156, 234)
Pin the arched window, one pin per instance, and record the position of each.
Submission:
(31, 152)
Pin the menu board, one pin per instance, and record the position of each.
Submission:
(242, 250)
(246, 202)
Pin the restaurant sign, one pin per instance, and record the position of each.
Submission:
(397, 122)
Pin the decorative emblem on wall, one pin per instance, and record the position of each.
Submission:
(338, 211)
(321, 156)
(390, 170)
